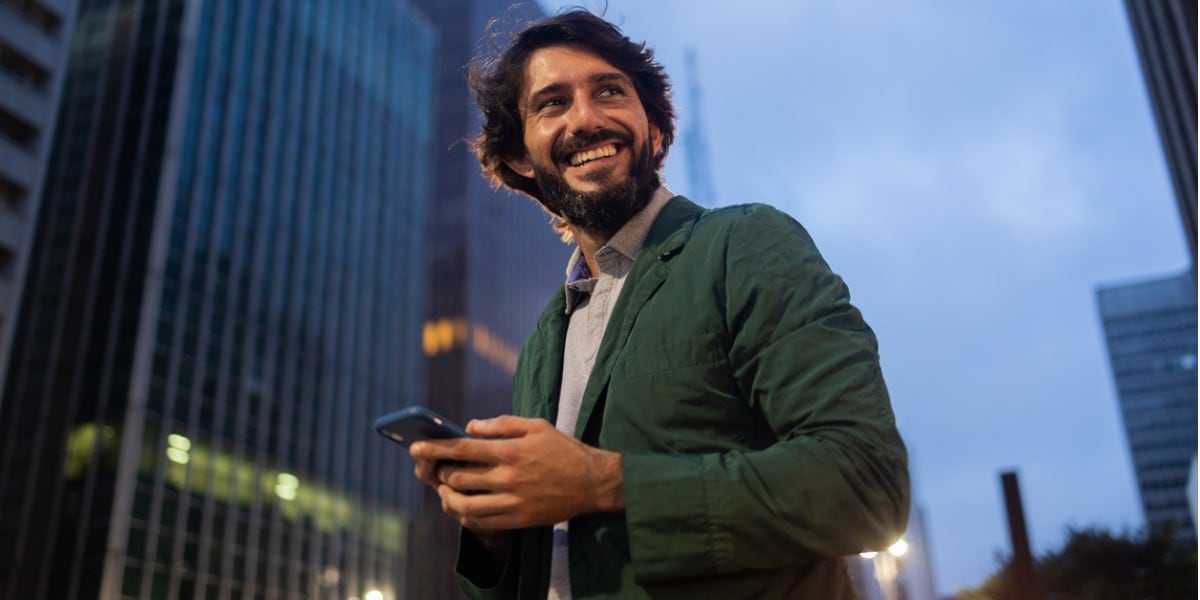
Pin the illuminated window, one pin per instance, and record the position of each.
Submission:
(286, 485)
(178, 448)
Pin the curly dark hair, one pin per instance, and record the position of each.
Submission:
(497, 81)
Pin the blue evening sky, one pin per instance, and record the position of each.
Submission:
(973, 169)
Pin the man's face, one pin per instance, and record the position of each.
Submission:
(588, 142)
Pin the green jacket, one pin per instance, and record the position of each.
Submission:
(744, 392)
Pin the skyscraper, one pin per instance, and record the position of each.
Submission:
(494, 262)
(225, 289)
(1150, 328)
(1165, 32)
(34, 40)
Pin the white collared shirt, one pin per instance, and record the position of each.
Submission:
(590, 301)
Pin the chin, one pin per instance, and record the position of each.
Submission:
(591, 188)
(599, 179)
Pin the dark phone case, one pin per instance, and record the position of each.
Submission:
(416, 423)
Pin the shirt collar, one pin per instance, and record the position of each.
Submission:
(627, 241)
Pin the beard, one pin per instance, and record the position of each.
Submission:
(607, 209)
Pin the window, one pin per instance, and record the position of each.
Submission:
(7, 259)
(12, 195)
(15, 129)
(19, 67)
(37, 14)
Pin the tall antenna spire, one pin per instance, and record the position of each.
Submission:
(699, 171)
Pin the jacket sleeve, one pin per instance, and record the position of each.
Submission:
(834, 483)
(479, 575)
(482, 577)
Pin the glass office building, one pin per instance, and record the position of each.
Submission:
(1150, 328)
(226, 287)
(1165, 34)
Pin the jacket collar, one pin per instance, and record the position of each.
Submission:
(627, 242)
(665, 240)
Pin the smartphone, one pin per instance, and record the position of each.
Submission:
(415, 423)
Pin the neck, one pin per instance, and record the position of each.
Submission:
(590, 242)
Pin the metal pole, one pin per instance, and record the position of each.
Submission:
(1021, 565)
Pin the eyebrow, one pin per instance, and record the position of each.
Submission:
(560, 87)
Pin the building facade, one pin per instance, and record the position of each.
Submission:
(1165, 34)
(1150, 330)
(225, 290)
(34, 41)
(494, 261)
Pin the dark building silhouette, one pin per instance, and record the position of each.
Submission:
(1150, 329)
(1165, 33)
(224, 291)
(35, 36)
(494, 261)
(1025, 581)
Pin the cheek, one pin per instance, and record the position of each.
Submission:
(539, 139)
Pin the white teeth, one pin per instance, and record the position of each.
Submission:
(590, 155)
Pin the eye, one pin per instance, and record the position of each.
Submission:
(550, 102)
(611, 91)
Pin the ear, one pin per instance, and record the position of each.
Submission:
(656, 141)
(521, 165)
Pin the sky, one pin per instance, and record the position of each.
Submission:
(974, 170)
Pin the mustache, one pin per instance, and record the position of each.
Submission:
(579, 141)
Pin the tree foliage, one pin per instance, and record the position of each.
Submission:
(1094, 564)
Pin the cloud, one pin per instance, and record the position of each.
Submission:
(1017, 180)
(1028, 181)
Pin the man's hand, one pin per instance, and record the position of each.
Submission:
(522, 473)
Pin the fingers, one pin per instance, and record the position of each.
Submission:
(494, 448)
(426, 472)
(511, 476)
(461, 464)
(482, 512)
(505, 426)
(457, 449)
(467, 478)
(435, 450)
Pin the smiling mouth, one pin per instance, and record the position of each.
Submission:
(580, 158)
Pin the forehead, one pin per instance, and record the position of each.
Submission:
(564, 65)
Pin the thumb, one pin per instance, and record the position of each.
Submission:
(503, 426)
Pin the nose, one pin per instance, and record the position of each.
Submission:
(584, 115)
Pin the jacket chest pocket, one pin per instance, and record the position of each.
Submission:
(677, 395)
(651, 355)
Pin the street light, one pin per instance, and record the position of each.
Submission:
(887, 566)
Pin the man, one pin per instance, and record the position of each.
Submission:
(721, 428)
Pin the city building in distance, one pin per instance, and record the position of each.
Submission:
(1150, 329)
(35, 36)
(1165, 34)
(224, 292)
(493, 263)
(1150, 326)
